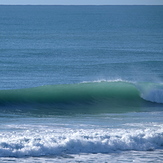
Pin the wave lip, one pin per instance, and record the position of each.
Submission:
(48, 143)
(153, 92)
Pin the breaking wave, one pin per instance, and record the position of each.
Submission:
(87, 97)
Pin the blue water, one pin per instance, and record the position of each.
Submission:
(81, 83)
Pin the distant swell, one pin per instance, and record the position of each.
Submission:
(91, 97)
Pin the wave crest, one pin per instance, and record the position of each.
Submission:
(154, 93)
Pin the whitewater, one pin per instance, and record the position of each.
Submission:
(81, 84)
(97, 137)
(63, 141)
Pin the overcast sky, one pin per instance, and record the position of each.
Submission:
(82, 2)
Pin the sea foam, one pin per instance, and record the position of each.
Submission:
(70, 141)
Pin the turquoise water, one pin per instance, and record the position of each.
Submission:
(81, 83)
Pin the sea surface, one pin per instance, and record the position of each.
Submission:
(81, 84)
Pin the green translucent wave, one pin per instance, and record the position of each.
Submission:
(93, 97)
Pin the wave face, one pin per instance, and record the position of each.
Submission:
(48, 142)
(91, 97)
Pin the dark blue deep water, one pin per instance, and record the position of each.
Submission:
(81, 83)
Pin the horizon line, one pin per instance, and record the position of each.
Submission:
(81, 5)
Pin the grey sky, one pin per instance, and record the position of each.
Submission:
(83, 2)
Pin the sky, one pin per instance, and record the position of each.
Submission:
(81, 2)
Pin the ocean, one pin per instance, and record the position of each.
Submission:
(81, 84)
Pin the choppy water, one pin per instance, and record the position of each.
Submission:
(81, 83)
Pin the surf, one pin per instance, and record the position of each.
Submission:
(87, 97)
(58, 142)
